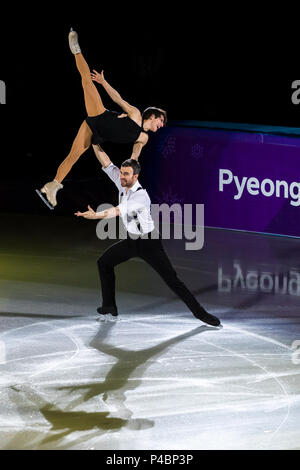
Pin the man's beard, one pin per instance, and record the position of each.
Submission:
(126, 185)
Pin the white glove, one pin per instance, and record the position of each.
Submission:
(50, 189)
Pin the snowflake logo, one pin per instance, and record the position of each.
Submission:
(175, 204)
(197, 151)
(169, 146)
(169, 198)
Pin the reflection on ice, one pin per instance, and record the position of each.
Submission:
(138, 376)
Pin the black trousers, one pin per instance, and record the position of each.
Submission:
(151, 251)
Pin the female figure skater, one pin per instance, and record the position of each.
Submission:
(102, 125)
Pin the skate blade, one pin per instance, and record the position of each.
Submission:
(108, 317)
(48, 204)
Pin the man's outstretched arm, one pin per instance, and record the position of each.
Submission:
(107, 166)
(107, 214)
(101, 156)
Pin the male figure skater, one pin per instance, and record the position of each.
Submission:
(102, 125)
(134, 209)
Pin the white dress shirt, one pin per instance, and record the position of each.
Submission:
(134, 204)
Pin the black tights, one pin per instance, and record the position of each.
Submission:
(151, 251)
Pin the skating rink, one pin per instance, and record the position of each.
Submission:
(156, 378)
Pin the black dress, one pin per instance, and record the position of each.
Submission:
(108, 127)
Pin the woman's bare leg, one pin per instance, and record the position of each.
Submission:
(94, 107)
(92, 99)
(81, 143)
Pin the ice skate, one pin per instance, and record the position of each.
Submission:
(73, 42)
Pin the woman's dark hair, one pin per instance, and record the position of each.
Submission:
(147, 113)
(133, 164)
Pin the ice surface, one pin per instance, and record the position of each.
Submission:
(146, 382)
(156, 378)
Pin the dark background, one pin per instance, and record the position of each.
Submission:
(197, 65)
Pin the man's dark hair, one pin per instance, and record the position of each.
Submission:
(133, 164)
(147, 113)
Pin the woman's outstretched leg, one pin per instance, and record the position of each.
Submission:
(94, 107)
(81, 143)
(92, 99)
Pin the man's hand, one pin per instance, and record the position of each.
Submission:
(50, 189)
(107, 214)
(90, 214)
(98, 77)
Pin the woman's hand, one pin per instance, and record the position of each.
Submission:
(97, 77)
(90, 214)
